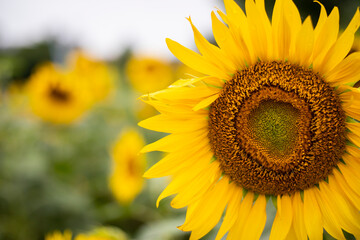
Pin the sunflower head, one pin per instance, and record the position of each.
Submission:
(101, 233)
(274, 116)
(126, 180)
(56, 96)
(148, 74)
(96, 75)
(57, 235)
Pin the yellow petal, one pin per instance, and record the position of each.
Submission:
(176, 161)
(298, 217)
(286, 23)
(346, 71)
(185, 93)
(161, 123)
(234, 12)
(341, 185)
(354, 127)
(354, 151)
(350, 171)
(293, 16)
(243, 214)
(231, 214)
(312, 215)
(183, 108)
(326, 38)
(176, 141)
(350, 179)
(206, 102)
(209, 210)
(331, 222)
(194, 60)
(352, 112)
(301, 50)
(181, 180)
(283, 218)
(291, 234)
(340, 209)
(211, 52)
(260, 29)
(194, 190)
(342, 46)
(226, 42)
(354, 138)
(322, 19)
(255, 223)
(238, 25)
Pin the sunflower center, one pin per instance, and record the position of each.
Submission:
(274, 126)
(59, 95)
(277, 128)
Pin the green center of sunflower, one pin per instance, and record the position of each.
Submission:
(277, 128)
(274, 126)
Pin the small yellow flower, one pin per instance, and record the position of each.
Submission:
(126, 180)
(57, 97)
(101, 233)
(57, 235)
(96, 75)
(149, 74)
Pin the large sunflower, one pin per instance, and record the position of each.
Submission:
(275, 117)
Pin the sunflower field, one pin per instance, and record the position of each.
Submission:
(253, 135)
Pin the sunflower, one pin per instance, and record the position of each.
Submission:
(148, 74)
(126, 180)
(57, 97)
(57, 235)
(101, 233)
(96, 75)
(275, 117)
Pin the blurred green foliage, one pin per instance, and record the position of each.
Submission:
(17, 64)
(55, 177)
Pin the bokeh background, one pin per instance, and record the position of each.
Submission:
(71, 73)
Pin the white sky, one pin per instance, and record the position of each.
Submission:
(105, 27)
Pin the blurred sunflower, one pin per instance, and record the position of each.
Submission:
(97, 76)
(126, 180)
(101, 233)
(57, 97)
(273, 118)
(148, 74)
(57, 235)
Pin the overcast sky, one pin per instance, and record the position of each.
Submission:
(105, 27)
